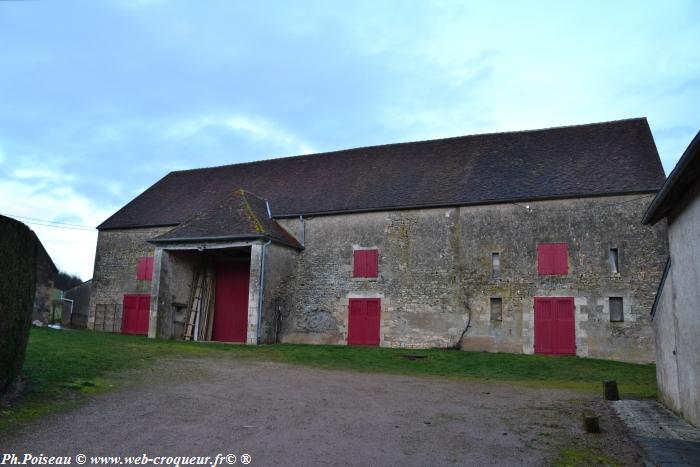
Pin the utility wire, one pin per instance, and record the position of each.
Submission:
(60, 225)
(64, 241)
(50, 222)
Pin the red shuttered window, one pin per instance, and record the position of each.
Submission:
(144, 269)
(552, 259)
(365, 263)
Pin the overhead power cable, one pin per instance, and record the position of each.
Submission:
(45, 223)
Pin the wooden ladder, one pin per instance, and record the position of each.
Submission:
(195, 305)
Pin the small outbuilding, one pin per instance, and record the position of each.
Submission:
(77, 302)
(676, 313)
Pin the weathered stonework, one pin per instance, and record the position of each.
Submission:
(435, 276)
(280, 266)
(435, 272)
(114, 275)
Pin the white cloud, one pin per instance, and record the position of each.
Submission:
(72, 250)
(255, 128)
(43, 174)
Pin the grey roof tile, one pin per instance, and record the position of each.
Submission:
(584, 160)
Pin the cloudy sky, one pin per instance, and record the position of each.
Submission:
(99, 99)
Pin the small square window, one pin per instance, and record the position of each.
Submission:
(616, 309)
(496, 265)
(496, 309)
(365, 263)
(614, 260)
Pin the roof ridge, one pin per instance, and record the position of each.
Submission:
(402, 143)
(252, 216)
(243, 192)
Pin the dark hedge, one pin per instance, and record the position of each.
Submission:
(17, 282)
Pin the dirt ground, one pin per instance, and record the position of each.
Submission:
(290, 415)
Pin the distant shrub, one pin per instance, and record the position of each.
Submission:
(17, 281)
(66, 281)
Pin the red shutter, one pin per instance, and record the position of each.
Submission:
(544, 263)
(552, 259)
(144, 269)
(371, 263)
(129, 313)
(358, 263)
(555, 326)
(141, 269)
(135, 314)
(374, 311)
(561, 264)
(149, 268)
(364, 321)
(144, 314)
(365, 263)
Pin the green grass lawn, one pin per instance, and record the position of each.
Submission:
(63, 367)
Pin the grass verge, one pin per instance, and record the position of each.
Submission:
(581, 457)
(62, 367)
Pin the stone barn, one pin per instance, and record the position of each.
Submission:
(525, 241)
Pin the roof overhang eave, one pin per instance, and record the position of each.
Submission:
(659, 206)
(209, 239)
(219, 239)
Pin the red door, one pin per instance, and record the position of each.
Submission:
(135, 311)
(363, 321)
(555, 326)
(231, 302)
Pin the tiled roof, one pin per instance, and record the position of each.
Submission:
(238, 215)
(584, 160)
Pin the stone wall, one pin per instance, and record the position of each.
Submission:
(280, 267)
(677, 319)
(435, 274)
(170, 299)
(114, 275)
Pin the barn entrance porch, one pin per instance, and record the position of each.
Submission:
(206, 292)
(209, 273)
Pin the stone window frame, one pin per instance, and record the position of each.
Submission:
(496, 265)
(614, 260)
(499, 301)
(622, 309)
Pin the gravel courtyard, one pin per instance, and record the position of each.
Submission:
(290, 415)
